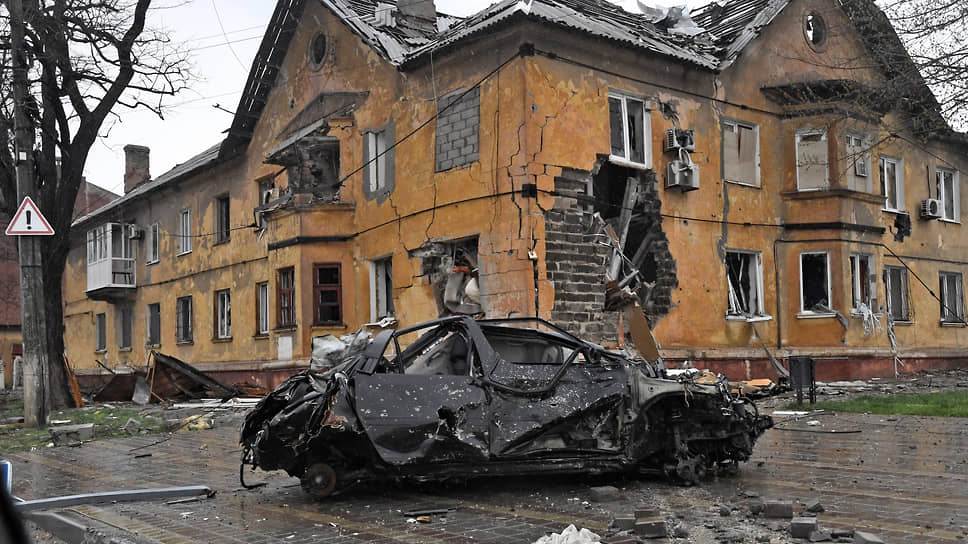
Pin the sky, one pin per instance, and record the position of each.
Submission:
(223, 37)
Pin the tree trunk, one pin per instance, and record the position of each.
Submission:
(55, 260)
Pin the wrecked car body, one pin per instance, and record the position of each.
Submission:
(494, 397)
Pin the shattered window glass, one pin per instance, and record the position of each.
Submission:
(952, 298)
(815, 283)
(629, 129)
(617, 126)
(381, 288)
(892, 183)
(812, 160)
(863, 282)
(744, 274)
(223, 314)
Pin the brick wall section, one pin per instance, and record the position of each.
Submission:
(576, 266)
(656, 302)
(457, 129)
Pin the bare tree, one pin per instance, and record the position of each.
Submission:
(71, 64)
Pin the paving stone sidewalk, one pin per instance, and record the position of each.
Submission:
(903, 478)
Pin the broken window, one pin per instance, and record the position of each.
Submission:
(152, 251)
(629, 129)
(223, 314)
(183, 320)
(451, 269)
(892, 183)
(287, 297)
(812, 160)
(895, 279)
(381, 288)
(952, 298)
(153, 326)
(265, 196)
(223, 227)
(327, 295)
(858, 163)
(100, 326)
(124, 314)
(185, 231)
(815, 282)
(948, 193)
(863, 281)
(741, 161)
(262, 308)
(744, 275)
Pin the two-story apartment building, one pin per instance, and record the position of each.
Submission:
(388, 164)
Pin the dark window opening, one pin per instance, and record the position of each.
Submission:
(154, 325)
(897, 302)
(814, 283)
(327, 299)
(317, 50)
(287, 296)
(223, 229)
(100, 321)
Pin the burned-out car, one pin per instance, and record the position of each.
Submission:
(493, 397)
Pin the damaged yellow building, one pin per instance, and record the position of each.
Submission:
(388, 164)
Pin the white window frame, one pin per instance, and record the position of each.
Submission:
(807, 312)
(888, 285)
(857, 282)
(223, 314)
(899, 177)
(625, 159)
(858, 147)
(376, 160)
(97, 244)
(185, 231)
(153, 245)
(184, 334)
(734, 126)
(943, 195)
(826, 165)
(733, 311)
(381, 293)
(952, 304)
(262, 308)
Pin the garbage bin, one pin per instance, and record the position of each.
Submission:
(802, 375)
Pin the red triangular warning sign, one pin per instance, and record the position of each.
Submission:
(28, 221)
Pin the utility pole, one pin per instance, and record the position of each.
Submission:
(37, 402)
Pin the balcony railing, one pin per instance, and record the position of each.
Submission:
(110, 261)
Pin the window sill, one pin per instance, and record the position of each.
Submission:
(184, 253)
(103, 350)
(953, 324)
(897, 212)
(815, 315)
(222, 242)
(753, 319)
(184, 342)
(149, 263)
(219, 340)
(952, 221)
(152, 346)
(627, 163)
(904, 323)
(124, 350)
(261, 336)
(285, 328)
(744, 184)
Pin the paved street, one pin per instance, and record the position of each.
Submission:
(903, 478)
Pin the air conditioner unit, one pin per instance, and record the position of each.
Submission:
(682, 175)
(931, 208)
(680, 139)
(134, 233)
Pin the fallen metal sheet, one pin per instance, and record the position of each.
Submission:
(174, 378)
(119, 388)
(53, 503)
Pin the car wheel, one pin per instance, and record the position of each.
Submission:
(319, 480)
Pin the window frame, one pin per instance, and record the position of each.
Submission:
(804, 311)
(262, 308)
(100, 332)
(151, 340)
(736, 123)
(223, 219)
(857, 282)
(860, 149)
(626, 160)
(286, 313)
(125, 324)
(319, 288)
(223, 315)
(958, 306)
(942, 193)
(756, 264)
(826, 165)
(375, 159)
(153, 245)
(184, 325)
(898, 163)
(379, 267)
(185, 231)
(905, 302)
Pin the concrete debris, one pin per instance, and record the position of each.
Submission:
(653, 527)
(604, 493)
(571, 535)
(802, 527)
(71, 434)
(819, 536)
(778, 509)
(814, 506)
(863, 537)
(622, 523)
(132, 426)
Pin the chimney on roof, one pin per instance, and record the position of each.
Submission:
(419, 13)
(136, 169)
